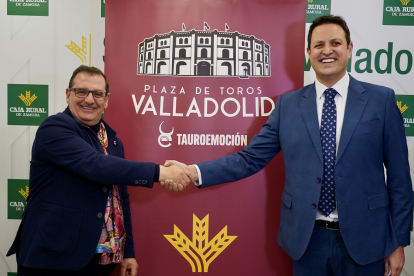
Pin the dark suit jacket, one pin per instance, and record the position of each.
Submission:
(70, 179)
(374, 212)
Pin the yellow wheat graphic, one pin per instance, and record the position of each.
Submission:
(402, 109)
(405, 2)
(24, 193)
(81, 52)
(200, 250)
(28, 100)
(310, 1)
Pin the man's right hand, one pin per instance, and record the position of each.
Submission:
(178, 177)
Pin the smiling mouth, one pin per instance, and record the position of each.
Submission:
(88, 108)
(328, 60)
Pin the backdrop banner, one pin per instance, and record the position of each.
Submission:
(195, 81)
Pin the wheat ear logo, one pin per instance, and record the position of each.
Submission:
(28, 99)
(405, 2)
(81, 52)
(402, 109)
(200, 252)
(310, 1)
(24, 193)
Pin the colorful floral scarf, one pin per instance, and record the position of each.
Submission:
(112, 241)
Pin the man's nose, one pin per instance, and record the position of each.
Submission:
(89, 98)
(327, 50)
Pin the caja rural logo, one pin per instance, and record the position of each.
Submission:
(204, 53)
(200, 252)
(316, 8)
(18, 191)
(398, 12)
(405, 104)
(27, 104)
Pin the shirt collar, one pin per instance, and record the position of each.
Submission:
(341, 87)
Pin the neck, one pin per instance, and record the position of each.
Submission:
(330, 81)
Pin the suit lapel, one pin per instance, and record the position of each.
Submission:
(310, 116)
(355, 105)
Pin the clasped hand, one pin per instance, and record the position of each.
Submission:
(175, 176)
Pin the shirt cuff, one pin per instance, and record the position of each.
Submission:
(199, 182)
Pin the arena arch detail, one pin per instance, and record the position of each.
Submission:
(204, 53)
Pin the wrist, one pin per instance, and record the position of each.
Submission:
(194, 173)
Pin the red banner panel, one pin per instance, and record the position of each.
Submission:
(195, 81)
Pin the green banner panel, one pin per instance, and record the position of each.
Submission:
(316, 8)
(17, 192)
(28, 7)
(398, 12)
(28, 104)
(406, 105)
(102, 8)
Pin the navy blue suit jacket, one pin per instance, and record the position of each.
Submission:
(374, 212)
(70, 179)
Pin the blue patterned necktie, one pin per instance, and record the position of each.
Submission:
(328, 139)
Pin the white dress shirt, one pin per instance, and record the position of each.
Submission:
(340, 101)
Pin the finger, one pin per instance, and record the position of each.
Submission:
(180, 187)
(123, 269)
(175, 188)
(134, 271)
(187, 180)
(169, 163)
(386, 268)
(162, 183)
(395, 271)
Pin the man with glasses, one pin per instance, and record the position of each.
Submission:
(77, 220)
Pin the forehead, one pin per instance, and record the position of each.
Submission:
(85, 80)
(328, 32)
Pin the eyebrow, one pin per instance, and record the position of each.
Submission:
(323, 41)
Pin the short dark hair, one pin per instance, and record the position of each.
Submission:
(329, 19)
(88, 70)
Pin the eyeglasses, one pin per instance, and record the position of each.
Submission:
(83, 93)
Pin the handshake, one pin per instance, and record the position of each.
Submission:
(175, 176)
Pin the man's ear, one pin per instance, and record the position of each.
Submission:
(350, 48)
(67, 95)
(106, 101)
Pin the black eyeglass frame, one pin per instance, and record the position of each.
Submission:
(89, 91)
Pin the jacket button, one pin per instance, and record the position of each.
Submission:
(105, 189)
(136, 181)
(313, 205)
(99, 215)
(115, 143)
(318, 179)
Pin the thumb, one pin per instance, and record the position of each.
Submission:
(123, 270)
(386, 268)
(169, 163)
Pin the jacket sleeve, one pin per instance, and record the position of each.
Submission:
(263, 147)
(61, 142)
(398, 171)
